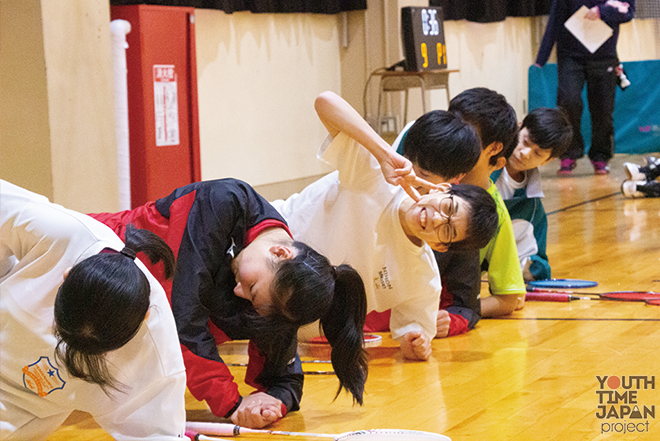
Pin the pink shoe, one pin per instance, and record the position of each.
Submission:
(567, 166)
(600, 167)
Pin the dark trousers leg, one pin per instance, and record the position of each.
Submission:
(601, 89)
(652, 169)
(650, 189)
(571, 76)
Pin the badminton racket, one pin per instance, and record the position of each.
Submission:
(552, 297)
(369, 340)
(303, 361)
(198, 430)
(630, 296)
(623, 296)
(563, 283)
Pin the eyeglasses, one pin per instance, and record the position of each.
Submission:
(447, 210)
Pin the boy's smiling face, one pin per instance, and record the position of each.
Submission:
(438, 219)
(527, 155)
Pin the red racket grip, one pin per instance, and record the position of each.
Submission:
(193, 436)
(548, 297)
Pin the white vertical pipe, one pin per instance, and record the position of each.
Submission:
(119, 29)
(344, 29)
(386, 50)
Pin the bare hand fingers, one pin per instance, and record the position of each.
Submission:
(412, 192)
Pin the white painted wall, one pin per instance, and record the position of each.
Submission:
(258, 75)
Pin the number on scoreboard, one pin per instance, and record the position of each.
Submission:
(423, 38)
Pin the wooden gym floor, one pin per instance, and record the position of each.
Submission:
(529, 376)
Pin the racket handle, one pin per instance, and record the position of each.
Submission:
(220, 429)
(193, 436)
(553, 297)
(548, 297)
(549, 290)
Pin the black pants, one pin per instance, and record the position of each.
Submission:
(650, 189)
(601, 86)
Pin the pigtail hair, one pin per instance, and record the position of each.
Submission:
(308, 288)
(343, 325)
(152, 246)
(102, 304)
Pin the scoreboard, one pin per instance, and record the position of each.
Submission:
(423, 38)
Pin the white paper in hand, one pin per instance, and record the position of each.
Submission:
(591, 33)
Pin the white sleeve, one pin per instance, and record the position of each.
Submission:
(39, 241)
(155, 413)
(417, 306)
(358, 169)
(415, 315)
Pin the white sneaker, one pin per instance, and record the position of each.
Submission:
(652, 161)
(629, 189)
(632, 170)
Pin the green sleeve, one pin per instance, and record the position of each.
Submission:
(500, 256)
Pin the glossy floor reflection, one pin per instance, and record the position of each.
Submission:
(530, 376)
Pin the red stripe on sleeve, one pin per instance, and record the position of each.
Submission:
(253, 232)
(458, 325)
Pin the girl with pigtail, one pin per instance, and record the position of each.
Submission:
(241, 276)
(84, 326)
(99, 293)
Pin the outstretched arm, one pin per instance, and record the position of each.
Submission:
(497, 306)
(338, 116)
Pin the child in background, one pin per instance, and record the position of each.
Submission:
(642, 180)
(460, 270)
(478, 106)
(545, 134)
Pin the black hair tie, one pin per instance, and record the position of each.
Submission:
(126, 251)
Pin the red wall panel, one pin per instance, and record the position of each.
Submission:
(162, 99)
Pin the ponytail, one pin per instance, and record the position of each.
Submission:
(152, 246)
(343, 325)
(101, 305)
(307, 288)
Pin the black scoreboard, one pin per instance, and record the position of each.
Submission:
(423, 38)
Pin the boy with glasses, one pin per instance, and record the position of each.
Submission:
(359, 215)
(461, 306)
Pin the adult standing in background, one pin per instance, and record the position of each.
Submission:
(577, 65)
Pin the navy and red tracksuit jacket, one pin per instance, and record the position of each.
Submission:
(206, 224)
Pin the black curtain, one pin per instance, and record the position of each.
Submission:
(229, 6)
(647, 9)
(487, 11)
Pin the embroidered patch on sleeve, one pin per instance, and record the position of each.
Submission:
(42, 377)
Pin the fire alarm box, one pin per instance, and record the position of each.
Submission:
(423, 38)
(162, 99)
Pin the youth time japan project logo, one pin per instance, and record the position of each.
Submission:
(623, 405)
